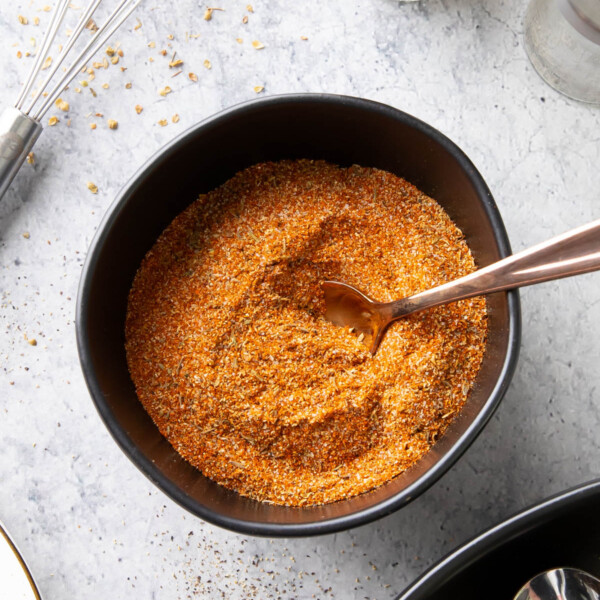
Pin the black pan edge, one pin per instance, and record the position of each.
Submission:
(433, 580)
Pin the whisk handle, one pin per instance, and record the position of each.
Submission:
(18, 134)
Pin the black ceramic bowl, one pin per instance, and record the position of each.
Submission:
(563, 531)
(339, 129)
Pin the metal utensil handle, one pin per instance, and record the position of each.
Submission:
(572, 253)
(18, 134)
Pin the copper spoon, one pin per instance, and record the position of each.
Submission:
(572, 253)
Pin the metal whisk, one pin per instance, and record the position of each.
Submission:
(20, 125)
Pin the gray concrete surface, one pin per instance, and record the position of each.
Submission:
(88, 522)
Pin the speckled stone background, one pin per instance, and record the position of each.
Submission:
(90, 525)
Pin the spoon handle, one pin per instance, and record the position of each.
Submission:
(572, 253)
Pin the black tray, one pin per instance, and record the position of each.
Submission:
(563, 531)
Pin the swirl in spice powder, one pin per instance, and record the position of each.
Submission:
(233, 360)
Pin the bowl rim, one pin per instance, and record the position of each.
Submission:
(334, 524)
(490, 539)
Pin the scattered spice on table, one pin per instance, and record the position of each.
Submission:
(209, 12)
(92, 187)
(62, 104)
(232, 358)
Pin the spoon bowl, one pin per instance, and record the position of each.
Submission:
(561, 584)
(346, 306)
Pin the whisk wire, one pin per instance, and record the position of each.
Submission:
(55, 22)
(83, 21)
(19, 130)
(105, 31)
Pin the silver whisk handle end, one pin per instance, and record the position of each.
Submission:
(18, 134)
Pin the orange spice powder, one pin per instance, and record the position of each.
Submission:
(233, 360)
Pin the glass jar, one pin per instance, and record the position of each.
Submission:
(562, 39)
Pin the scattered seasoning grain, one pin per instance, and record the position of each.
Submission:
(209, 12)
(52, 121)
(112, 124)
(193, 76)
(258, 45)
(19, 54)
(138, 108)
(207, 64)
(245, 19)
(259, 88)
(128, 85)
(239, 40)
(303, 38)
(232, 358)
(26, 235)
(175, 118)
(164, 91)
(110, 51)
(175, 63)
(114, 60)
(47, 63)
(93, 125)
(163, 122)
(36, 21)
(31, 158)
(32, 342)
(23, 20)
(249, 8)
(105, 86)
(92, 187)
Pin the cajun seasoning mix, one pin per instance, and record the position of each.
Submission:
(231, 355)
